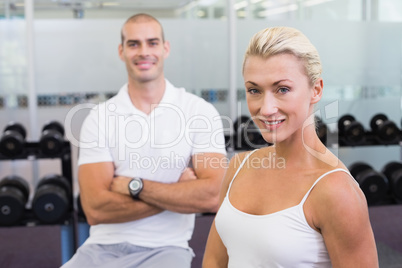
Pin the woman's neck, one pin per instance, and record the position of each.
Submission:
(304, 150)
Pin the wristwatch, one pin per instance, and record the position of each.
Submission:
(135, 187)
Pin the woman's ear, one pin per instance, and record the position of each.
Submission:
(317, 91)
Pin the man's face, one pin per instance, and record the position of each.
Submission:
(143, 51)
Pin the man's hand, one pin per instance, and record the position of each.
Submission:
(196, 191)
(120, 185)
(187, 175)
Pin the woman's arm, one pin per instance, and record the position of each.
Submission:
(342, 216)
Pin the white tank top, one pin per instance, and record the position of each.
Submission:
(280, 239)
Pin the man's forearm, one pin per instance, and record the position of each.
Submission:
(118, 208)
(195, 196)
(196, 191)
(189, 196)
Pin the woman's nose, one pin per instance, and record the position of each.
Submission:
(269, 106)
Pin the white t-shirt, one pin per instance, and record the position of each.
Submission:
(155, 147)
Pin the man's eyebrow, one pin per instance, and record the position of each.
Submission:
(132, 41)
(153, 39)
(148, 40)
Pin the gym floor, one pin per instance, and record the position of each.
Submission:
(387, 226)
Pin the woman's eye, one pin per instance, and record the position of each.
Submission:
(252, 91)
(283, 90)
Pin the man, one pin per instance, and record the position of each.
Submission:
(136, 190)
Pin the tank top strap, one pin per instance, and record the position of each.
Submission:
(238, 169)
(322, 176)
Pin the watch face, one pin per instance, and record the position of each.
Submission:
(135, 185)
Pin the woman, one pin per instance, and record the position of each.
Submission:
(307, 211)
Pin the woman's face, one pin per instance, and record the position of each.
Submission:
(279, 94)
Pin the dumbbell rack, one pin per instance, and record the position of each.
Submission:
(370, 140)
(392, 137)
(32, 152)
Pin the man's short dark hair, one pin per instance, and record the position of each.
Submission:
(141, 17)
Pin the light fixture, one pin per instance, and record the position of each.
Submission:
(240, 5)
(241, 14)
(110, 4)
(309, 3)
(206, 2)
(201, 13)
(278, 10)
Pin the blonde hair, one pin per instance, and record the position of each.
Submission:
(277, 40)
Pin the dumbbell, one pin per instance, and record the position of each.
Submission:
(52, 139)
(393, 171)
(12, 143)
(351, 131)
(385, 131)
(51, 201)
(14, 194)
(321, 129)
(247, 134)
(373, 184)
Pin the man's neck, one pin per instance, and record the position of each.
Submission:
(146, 96)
